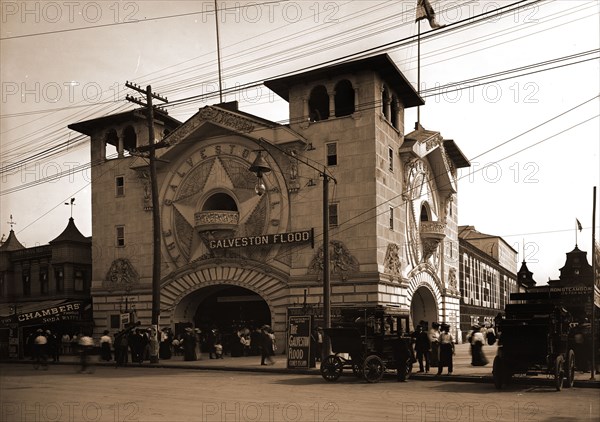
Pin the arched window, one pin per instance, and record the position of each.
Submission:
(318, 104)
(129, 139)
(344, 98)
(425, 212)
(111, 143)
(220, 202)
(385, 102)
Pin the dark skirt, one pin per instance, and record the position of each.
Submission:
(105, 353)
(164, 350)
(446, 350)
(477, 356)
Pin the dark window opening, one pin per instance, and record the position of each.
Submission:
(424, 213)
(129, 139)
(395, 111)
(344, 98)
(79, 284)
(2, 286)
(220, 202)
(44, 281)
(318, 104)
(391, 159)
(26, 283)
(333, 215)
(120, 186)
(59, 276)
(331, 154)
(120, 236)
(385, 101)
(391, 218)
(115, 322)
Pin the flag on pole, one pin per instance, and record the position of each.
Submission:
(425, 11)
(578, 225)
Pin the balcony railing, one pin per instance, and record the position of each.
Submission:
(432, 233)
(216, 220)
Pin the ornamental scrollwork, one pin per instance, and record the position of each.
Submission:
(342, 261)
(121, 275)
(392, 262)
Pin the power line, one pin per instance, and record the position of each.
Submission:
(59, 31)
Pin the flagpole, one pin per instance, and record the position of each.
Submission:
(418, 72)
(576, 228)
(218, 53)
(594, 266)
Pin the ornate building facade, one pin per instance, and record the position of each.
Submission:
(230, 256)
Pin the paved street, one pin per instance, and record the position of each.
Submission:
(179, 394)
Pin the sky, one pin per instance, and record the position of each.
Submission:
(532, 136)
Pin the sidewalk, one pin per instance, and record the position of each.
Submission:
(463, 371)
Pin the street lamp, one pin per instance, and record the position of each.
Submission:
(259, 167)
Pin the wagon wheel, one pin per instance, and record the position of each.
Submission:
(331, 368)
(373, 368)
(570, 369)
(559, 372)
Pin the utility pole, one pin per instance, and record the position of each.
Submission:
(151, 148)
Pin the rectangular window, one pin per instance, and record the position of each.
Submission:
(26, 282)
(331, 154)
(391, 159)
(333, 215)
(59, 276)
(391, 218)
(120, 186)
(44, 281)
(79, 281)
(115, 322)
(120, 236)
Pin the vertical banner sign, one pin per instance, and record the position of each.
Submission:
(298, 347)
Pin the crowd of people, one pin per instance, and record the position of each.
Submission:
(43, 345)
(133, 345)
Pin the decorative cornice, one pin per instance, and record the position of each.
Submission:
(226, 118)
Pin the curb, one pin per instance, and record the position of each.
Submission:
(481, 379)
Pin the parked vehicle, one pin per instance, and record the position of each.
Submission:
(365, 341)
(534, 339)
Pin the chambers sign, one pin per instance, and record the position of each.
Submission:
(263, 240)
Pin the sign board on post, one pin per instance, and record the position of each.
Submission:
(299, 341)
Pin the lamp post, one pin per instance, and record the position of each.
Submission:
(260, 167)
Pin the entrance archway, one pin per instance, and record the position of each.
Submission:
(423, 306)
(229, 307)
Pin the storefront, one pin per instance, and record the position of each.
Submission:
(21, 320)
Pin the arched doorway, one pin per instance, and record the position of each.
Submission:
(229, 307)
(423, 306)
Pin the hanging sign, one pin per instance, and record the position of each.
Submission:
(263, 240)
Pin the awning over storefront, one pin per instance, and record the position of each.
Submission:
(45, 312)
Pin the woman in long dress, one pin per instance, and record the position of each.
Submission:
(446, 349)
(477, 339)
